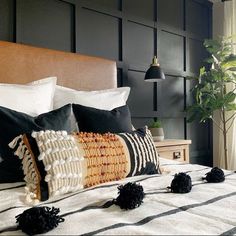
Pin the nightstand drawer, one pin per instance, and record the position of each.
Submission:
(173, 153)
(174, 149)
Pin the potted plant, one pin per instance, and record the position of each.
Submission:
(156, 129)
(214, 90)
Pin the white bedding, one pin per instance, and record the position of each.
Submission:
(207, 209)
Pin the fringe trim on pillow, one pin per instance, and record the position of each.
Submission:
(31, 177)
(14, 142)
(31, 197)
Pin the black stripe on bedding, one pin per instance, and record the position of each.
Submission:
(230, 232)
(19, 186)
(86, 208)
(176, 164)
(189, 171)
(9, 229)
(10, 208)
(83, 191)
(167, 213)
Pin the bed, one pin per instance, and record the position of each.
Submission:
(209, 209)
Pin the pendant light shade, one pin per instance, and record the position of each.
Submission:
(154, 73)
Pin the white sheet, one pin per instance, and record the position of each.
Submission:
(207, 209)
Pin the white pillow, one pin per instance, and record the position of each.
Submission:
(102, 99)
(32, 99)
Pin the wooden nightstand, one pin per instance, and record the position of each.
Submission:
(174, 149)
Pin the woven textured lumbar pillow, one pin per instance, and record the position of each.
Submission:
(55, 163)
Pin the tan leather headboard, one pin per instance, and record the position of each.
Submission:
(22, 64)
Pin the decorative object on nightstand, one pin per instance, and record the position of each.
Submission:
(174, 149)
(156, 130)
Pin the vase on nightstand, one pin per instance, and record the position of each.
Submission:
(157, 134)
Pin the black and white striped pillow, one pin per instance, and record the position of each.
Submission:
(144, 158)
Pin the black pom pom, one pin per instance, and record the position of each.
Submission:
(181, 183)
(216, 175)
(38, 220)
(130, 196)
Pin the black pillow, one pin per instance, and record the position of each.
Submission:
(13, 123)
(95, 120)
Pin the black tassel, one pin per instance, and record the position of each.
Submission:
(216, 175)
(38, 220)
(131, 195)
(181, 183)
(108, 204)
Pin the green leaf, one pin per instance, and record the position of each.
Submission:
(215, 75)
(209, 60)
(229, 97)
(155, 124)
(202, 71)
(231, 107)
(229, 63)
(191, 118)
(212, 46)
(229, 78)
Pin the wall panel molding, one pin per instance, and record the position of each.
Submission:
(130, 32)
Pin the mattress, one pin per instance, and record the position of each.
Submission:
(209, 209)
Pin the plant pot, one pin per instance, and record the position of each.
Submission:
(157, 134)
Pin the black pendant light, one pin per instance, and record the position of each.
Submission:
(154, 73)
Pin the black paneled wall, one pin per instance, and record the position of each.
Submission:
(130, 32)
